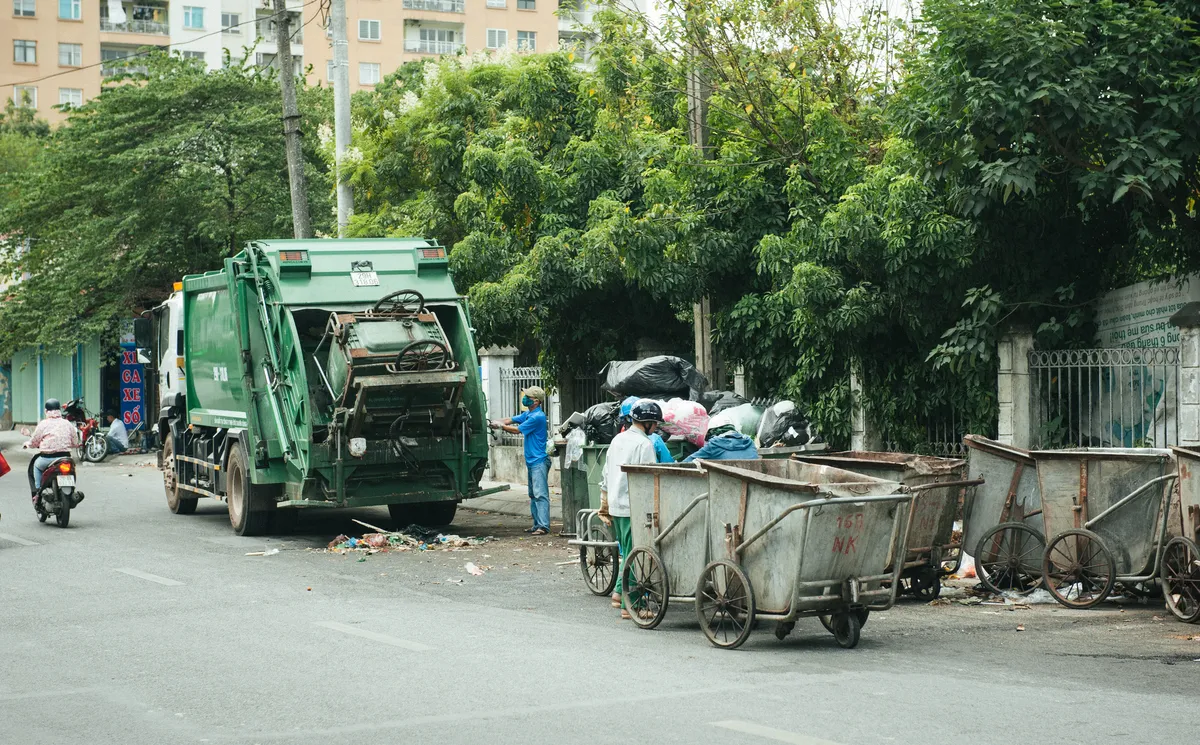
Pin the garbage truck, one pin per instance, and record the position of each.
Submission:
(311, 374)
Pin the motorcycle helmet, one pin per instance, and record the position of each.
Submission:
(646, 411)
(53, 404)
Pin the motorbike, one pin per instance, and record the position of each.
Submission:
(57, 494)
(95, 444)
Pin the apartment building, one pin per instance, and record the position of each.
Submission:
(53, 50)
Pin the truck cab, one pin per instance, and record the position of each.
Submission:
(167, 352)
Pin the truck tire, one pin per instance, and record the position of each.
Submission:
(178, 504)
(437, 514)
(248, 511)
(403, 515)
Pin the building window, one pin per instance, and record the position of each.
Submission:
(25, 51)
(71, 10)
(24, 8)
(329, 71)
(368, 73)
(526, 41)
(497, 3)
(526, 4)
(25, 96)
(230, 22)
(497, 38)
(70, 55)
(193, 55)
(193, 17)
(70, 97)
(368, 30)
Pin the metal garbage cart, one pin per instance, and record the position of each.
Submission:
(829, 559)
(669, 526)
(1180, 566)
(1002, 524)
(573, 480)
(933, 551)
(1108, 510)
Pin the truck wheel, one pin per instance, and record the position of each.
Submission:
(247, 512)
(177, 504)
(436, 514)
(404, 515)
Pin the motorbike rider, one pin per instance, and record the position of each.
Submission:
(53, 438)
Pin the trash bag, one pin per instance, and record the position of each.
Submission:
(574, 452)
(601, 422)
(782, 424)
(745, 418)
(688, 419)
(717, 401)
(662, 377)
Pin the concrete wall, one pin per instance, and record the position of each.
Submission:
(507, 465)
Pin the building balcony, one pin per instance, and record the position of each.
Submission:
(268, 30)
(139, 19)
(421, 46)
(438, 6)
(135, 27)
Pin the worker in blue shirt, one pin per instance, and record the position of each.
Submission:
(532, 426)
(724, 442)
(661, 453)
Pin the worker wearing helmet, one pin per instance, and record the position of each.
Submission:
(531, 425)
(631, 447)
(661, 452)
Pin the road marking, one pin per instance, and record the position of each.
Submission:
(18, 541)
(151, 577)
(381, 638)
(770, 733)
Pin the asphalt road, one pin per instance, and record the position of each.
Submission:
(138, 626)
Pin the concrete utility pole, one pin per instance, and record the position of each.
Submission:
(698, 92)
(341, 110)
(301, 227)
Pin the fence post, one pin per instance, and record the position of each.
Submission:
(491, 361)
(1014, 390)
(864, 434)
(1188, 320)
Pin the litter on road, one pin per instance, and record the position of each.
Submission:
(412, 538)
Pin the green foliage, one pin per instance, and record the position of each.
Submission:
(143, 184)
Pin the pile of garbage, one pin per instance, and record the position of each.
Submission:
(412, 538)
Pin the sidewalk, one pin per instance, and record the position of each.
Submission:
(514, 502)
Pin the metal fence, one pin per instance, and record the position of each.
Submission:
(1105, 397)
(514, 380)
(940, 435)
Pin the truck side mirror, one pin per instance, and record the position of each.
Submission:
(142, 334)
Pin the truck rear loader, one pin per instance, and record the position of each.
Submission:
(321, 373)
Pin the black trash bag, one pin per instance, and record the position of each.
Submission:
(717, 401)
(783, 424)
(602, 422)
(663, 377)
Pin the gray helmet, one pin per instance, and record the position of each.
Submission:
(646, 411)
(52, 404)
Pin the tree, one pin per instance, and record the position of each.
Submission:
(155, 178)
(21, 137)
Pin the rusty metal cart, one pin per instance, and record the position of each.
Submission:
(598, 552)
(1002, 524)
(1179, 571)
(932, 551)
(1107, 509)
(795, 548)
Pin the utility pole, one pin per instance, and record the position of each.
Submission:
(698, 93)
(301, 227)
(341, 111)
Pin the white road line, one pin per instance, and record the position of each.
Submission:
(18, 541)
(770, 733)
(151, 577)
(381, 638)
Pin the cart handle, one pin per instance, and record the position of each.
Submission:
(944, 484)
(1127, 499)
(679, 518)
(897, 498)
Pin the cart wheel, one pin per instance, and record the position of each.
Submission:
(725, 604)
(1007, 556)
(862, 613)
(846, 629)
(645, 589)
(1078, 569)
(599, 564)
(1180, 575)
(926, 584)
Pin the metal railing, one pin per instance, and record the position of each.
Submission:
(268, 30)
(432, 47)
(136, 27)
(439, 6)
(1105, 397)
(514, 380)
(107, 71)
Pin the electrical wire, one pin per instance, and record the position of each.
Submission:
(161, 47)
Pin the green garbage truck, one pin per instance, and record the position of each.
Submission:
(316, 374)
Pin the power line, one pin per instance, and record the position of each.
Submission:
(158, 48)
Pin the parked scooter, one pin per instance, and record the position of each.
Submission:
(95, 444)
(57, 494)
